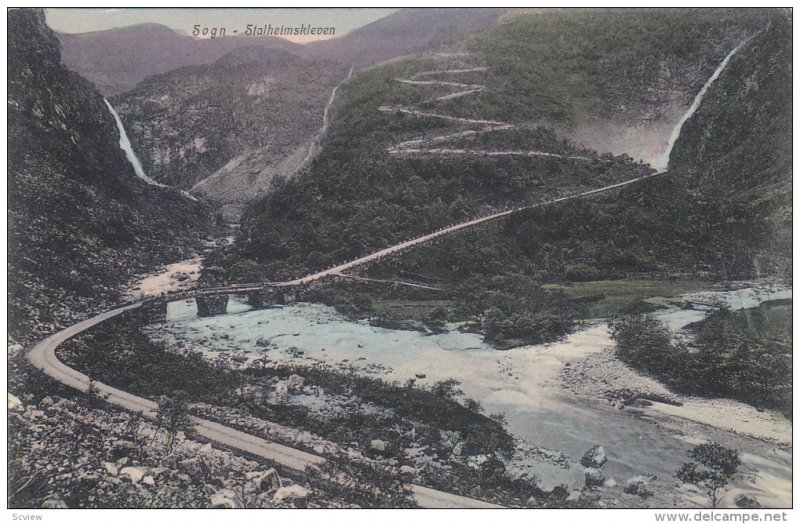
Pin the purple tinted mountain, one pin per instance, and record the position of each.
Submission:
(80, 221)
(117, 59)
(226, 130)
(404, 32)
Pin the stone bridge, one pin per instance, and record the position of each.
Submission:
(213, 301)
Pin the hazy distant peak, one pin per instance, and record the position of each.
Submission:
(258, 54)
(137, 29)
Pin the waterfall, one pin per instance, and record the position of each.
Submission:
(125, 145)
(662, 161)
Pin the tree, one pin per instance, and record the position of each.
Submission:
(711, 468)
(447, 388)
(173, 416)
(94, 397)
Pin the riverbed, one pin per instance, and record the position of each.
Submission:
(526, 384)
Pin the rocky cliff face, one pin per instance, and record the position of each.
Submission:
(237, 123)
(80, 221)
(735, 153)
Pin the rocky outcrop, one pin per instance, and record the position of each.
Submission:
(227, 130)
(639, 486)
(594, 458)
(65, 454)
(80, 221)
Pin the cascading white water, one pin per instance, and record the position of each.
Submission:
(662, 161)
(125, 145)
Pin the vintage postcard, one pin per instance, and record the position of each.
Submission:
(530, 258)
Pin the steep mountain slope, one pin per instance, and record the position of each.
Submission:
(266, 106)
(117, 59)
(80, 221)
(612, 80)
(236, 123)
(433, 140)
(735, 155)
(404, 32)
(365, 196)
(723, 211)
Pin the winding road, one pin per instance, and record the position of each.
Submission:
(43, 356)
(422, 146)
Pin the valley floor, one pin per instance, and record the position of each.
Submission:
(558, 399)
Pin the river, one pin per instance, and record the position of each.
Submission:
(527, 385)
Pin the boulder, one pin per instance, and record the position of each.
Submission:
(638, 486)
(594, 458)
(745, 502)
(14, 404)
(46, 401)
(292, 492)
(281, 389)
(476, 461)
(111, 469)
(594, 478)
(378, 445)
(295, 382)
(54, 503)
(408, 470)
(149, 480)
(223, 499)
(135, 473)
(264, 481)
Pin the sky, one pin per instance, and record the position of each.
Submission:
(85, 19)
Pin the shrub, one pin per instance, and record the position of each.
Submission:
(711, 468)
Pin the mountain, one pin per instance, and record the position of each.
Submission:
(735, 155)
(610, 80)
(80, 221)
(404, 32)
(228, 129)
(723, 211)
(437, 139)
(541, 87)
(117, 59)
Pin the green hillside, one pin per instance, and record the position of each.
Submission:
(565, 67)
(356, 197)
